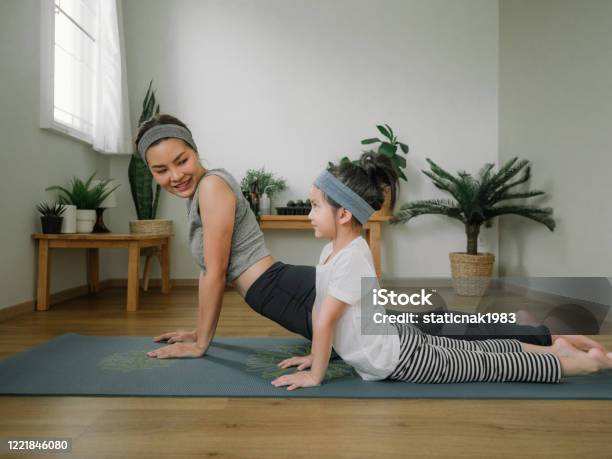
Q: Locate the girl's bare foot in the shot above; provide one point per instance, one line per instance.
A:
(584, 363)
(580, 341)
(564, 348)
(561, 348)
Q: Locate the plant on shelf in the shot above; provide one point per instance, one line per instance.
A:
(478, 201)
(145, 192)
(388, 147)
(265, 184)
(81, 195)
(85, 198)
(51, 217)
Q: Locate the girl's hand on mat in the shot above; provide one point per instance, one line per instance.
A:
(581, 342)
(179, 336)
(297, 379)
(178, 350)
(302, 362)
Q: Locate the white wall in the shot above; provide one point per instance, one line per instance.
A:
(556, 110)
(293, 84)
(32, 159)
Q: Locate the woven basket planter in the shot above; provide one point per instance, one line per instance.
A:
(471, 273)
(157, 226)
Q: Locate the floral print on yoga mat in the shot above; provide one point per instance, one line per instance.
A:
(132, 360)
(265, 362)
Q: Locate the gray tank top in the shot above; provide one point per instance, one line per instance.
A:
(248, 244)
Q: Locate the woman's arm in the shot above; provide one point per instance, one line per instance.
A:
(217, 209)
(217, 204)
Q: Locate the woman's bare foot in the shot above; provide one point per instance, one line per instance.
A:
(527, 318)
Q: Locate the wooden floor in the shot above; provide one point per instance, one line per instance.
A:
(122, 427)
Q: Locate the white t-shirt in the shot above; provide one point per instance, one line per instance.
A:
(374, 357)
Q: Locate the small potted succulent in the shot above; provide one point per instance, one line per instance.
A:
(51, 217)
(86, 199)
(477, 201)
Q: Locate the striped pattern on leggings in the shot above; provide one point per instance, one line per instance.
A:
(434, 359)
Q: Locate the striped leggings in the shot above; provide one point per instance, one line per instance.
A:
(434, 359)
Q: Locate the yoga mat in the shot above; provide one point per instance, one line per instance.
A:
(74, 364)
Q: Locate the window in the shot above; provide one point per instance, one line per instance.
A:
(67, 58)
(74, 51)
(83, 82)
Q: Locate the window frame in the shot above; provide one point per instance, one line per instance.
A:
(47, 76)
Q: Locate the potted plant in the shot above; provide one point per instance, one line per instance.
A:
(85, 199)
(266, 184)
(477, 201)
(145, 192)
(389, 147)
(51, 217)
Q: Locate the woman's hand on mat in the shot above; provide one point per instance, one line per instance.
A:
(302, 362)
(178, 350)
(179, 336)
(297, 379)
(581, 342)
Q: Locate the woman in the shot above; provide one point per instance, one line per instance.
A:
(228, 245)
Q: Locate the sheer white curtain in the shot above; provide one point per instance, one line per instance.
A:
(111, 120)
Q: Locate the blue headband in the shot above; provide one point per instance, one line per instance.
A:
(344, 196)
(163, 131)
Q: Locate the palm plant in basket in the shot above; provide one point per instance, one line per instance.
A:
(477, 201)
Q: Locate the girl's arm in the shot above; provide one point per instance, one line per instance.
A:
(323, 334)
(217, 204)
(323, 326)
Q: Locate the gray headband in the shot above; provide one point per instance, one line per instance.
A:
(163, 131)
(344, 196)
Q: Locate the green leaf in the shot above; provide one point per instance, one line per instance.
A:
(372, 140)
(399, 161)
(387, 149)
(384, 131)
(390, 131)
(404, 147)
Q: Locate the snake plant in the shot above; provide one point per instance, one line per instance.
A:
(145, 192)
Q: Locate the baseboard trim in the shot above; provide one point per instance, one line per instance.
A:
(54, 298)
(9, 312)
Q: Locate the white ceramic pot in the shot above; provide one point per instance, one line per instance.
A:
(86, 219)
(69, 224)
(264, 204)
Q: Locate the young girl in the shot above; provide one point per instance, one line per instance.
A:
(343, 199)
